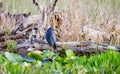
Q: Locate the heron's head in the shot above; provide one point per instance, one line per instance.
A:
(50, 29)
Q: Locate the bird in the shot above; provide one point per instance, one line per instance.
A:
(51, 37)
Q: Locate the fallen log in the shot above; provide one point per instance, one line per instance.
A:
(13, 37)
(77, 47)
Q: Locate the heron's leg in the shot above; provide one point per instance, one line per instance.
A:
(51, 49)
(55, 51)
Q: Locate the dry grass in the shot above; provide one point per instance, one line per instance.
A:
(101, 15)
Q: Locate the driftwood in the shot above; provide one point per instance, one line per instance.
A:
(14, 37)
(77, 47)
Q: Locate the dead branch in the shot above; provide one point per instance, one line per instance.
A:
(18, 27)
(25, 16)
(53, 7)
(2, 34)
(13, 37)
(38, 5)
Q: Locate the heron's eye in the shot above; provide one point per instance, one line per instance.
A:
(34, 36)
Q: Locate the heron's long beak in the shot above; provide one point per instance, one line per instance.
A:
(56, 30)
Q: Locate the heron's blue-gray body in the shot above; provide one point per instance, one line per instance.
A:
(51, 37)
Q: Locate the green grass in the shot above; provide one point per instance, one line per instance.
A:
(11, 45)
(108, 63)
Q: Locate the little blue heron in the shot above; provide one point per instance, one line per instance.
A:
(51, 37)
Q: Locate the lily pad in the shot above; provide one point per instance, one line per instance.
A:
(69, 53)
(13, 57)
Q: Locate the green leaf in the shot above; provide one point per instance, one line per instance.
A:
(47, 54)
(35, 55)
(13, 57)
(69, 53)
